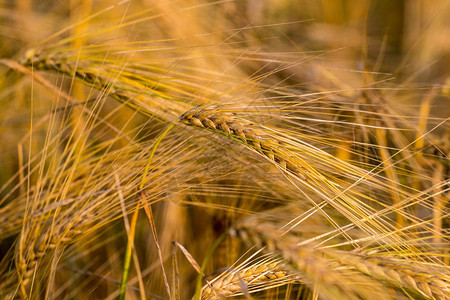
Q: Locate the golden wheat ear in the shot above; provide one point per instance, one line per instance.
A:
(230, 125)
(255, 274)
(329, 270)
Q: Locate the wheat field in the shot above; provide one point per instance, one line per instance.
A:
(230, 149)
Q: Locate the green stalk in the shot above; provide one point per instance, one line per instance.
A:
(147, 166)
(126, 263)
(208, 256)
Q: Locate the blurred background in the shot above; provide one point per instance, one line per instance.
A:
(406, 35)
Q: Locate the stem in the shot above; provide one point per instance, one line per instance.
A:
(152, 153)
(208, 256)
(126, 263)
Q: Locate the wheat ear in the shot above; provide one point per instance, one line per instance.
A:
(111, 81)
(311, 264)
(314, 263)
(431, 281)
(32, 251)
(252, 278)
(244, 131)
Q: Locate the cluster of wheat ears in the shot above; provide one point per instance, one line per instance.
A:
(161, 151)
